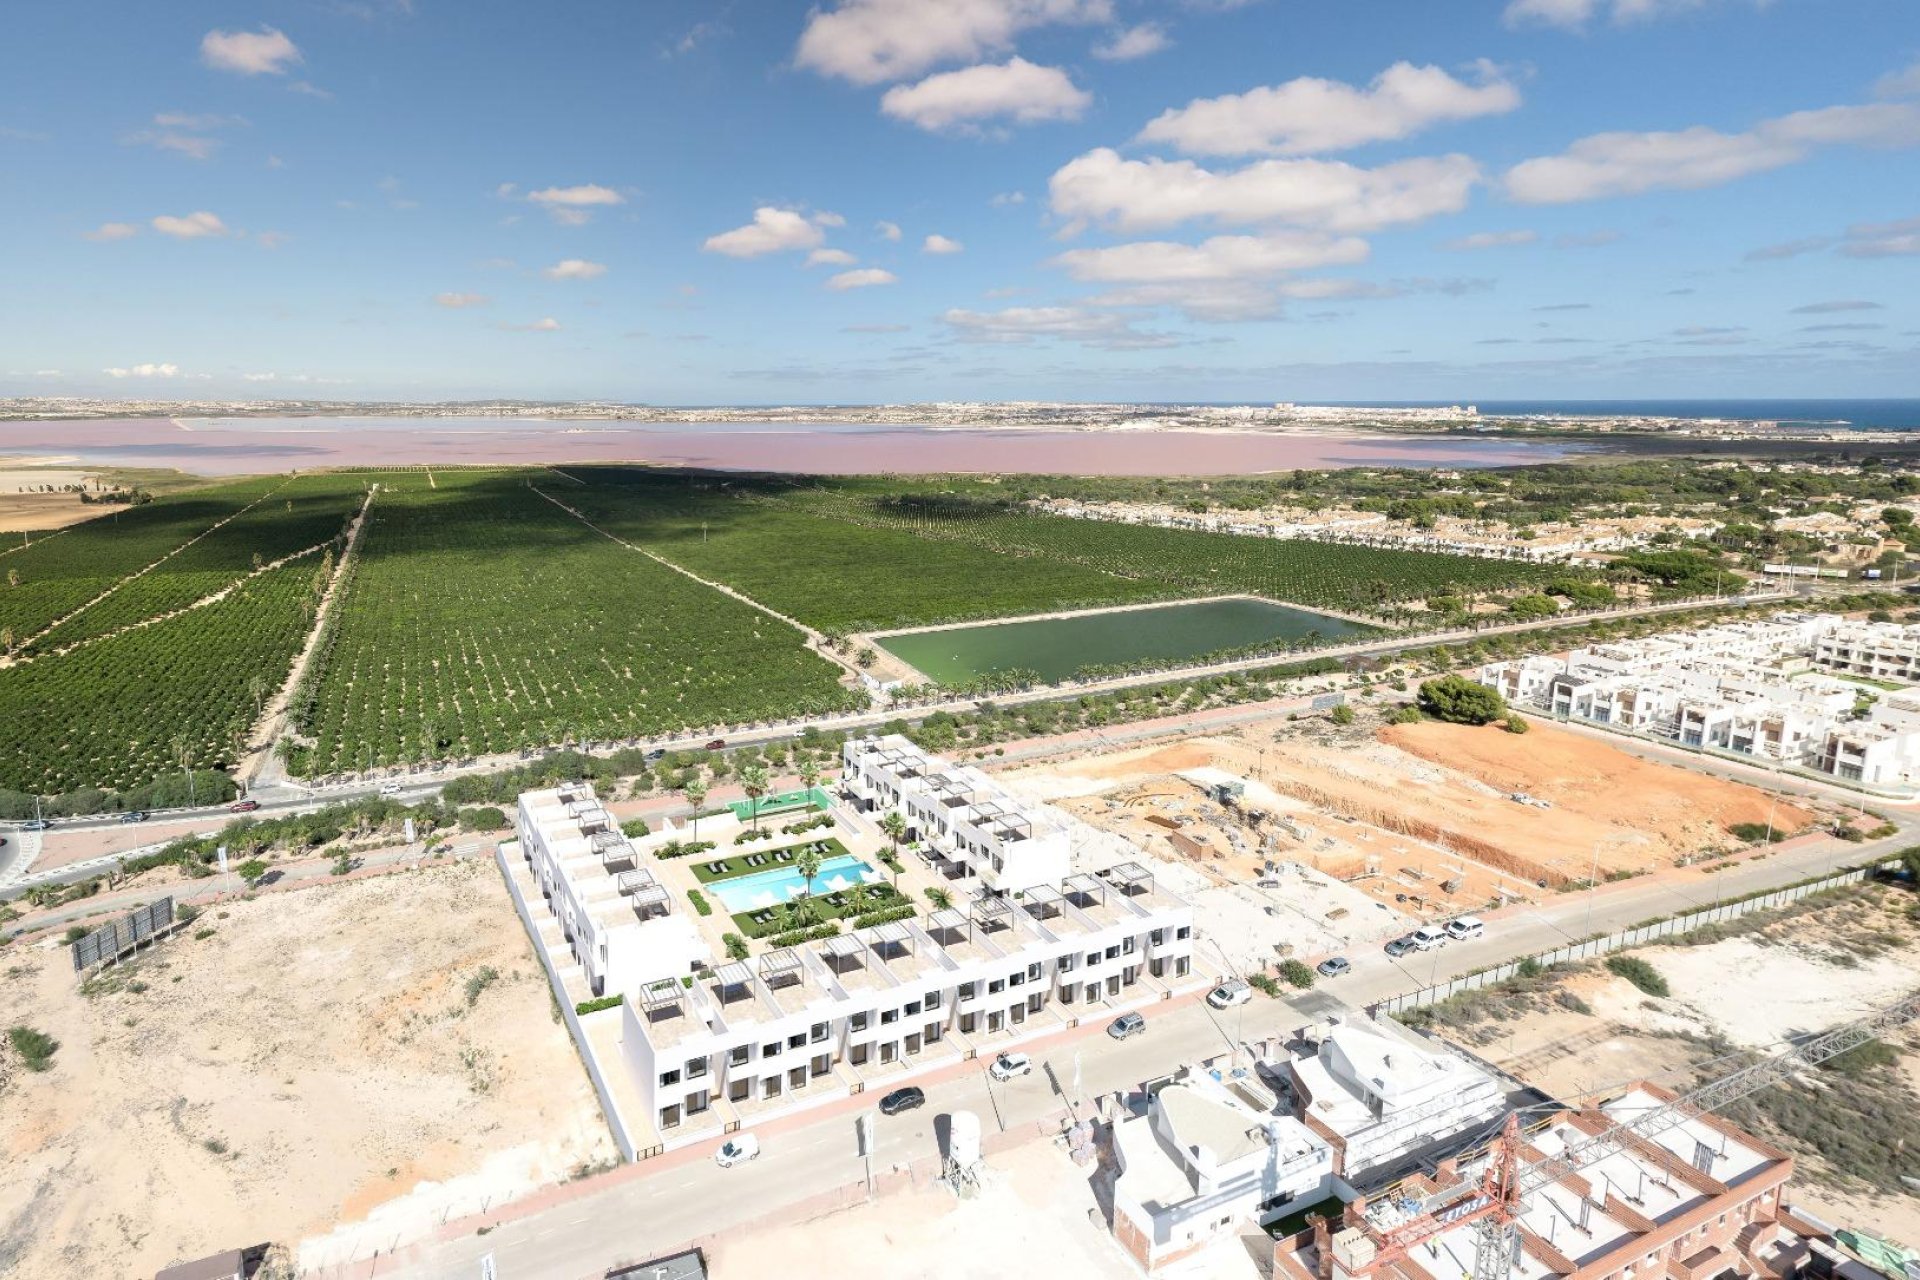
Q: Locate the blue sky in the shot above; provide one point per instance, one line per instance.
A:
(710, 202)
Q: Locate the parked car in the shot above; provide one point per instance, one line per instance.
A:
(718, 744)
(389, 788)
(1332, 966)
(1229, 993)
(738, 1149)
(134, 815)
(658, 753)
(1008, 1065)
(1401, 946)
(903, 1100)
(1466, 928)
(243, 806)
(34, 824)
(1427, 937)
(1127, 1024)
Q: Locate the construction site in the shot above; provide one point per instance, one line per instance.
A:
(1426, 820)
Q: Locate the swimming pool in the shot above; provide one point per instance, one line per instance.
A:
(783, 884)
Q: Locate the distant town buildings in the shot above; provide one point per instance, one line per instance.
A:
(1812, 691)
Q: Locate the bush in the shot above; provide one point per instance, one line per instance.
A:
(1640, 974)
(1458, 700)
(794, 937)
(479, 982)
(1341, 714)
(1515, 724)
(36, 1048)
(253, 871)
(1296, 974)
(1264, 982)
(1533, 607)
(736, 945)
(1756, 832)
(634, 827)
(884, 916)
(586, 1007)
(699, 901)
(483, 818)
(1406, 714)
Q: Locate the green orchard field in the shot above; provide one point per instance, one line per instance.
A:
(486, 611)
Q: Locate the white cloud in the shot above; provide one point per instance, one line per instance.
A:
(1016, 90)
(194, 226)
(825, 218)
(1838, 305)
(113, 231)
(146, 371)
(939, 244)
(575, 269)
(546, 324)
(270, 239)
(1007, 198)
(459, 301)
(887, 230)
(569, 206)
(862, 278)
(1133, 195)
(1899, 84)
(1882, 239)
(259, 377)
(250, 53)
(183, 133)
(1573, 15)
(1618, 164)
(1134, 42)
(771, 231)
(1216, 258)
(1022, 325)
(831, 258)
(874, 41)
(1309, 115)
(1491, 240)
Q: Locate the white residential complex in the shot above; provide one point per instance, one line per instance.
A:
(1803, 689)
(1027, 948)
(618, 920)
(972, 825)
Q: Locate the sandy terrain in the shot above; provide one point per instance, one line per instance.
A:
(315, 1055)
(22, 510)
(1379, 810)
(1035, 1206)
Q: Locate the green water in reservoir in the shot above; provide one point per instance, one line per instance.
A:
(1058, 647)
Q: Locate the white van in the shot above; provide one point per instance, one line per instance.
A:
(1428, 936)
(1465, 929)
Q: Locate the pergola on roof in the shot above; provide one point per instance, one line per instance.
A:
(780, 964)
(735, 973)
(662, 993)
(992, 910)
(1042, 899)
(652, 895)
(1083, 883)
(890, 931)
(947, 918)
(631, 882)
(843, 945)
(1130, 875)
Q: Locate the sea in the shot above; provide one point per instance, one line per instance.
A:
(1864, 415)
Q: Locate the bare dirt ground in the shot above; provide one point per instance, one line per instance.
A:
(1032, 1215)
(286, 1064)
(1777, 976)
(1420, 818)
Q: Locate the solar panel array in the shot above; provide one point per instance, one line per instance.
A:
(113, 940)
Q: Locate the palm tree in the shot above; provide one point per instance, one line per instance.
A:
(754, 781)
(808, 865)
(696, 793)
(895, 828)
(809, 775)
(859, 900)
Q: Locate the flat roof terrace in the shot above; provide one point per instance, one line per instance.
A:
(669, 1014)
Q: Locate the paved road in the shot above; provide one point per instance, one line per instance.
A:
(650, 1208)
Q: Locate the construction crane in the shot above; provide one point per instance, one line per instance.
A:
(1496, 1202)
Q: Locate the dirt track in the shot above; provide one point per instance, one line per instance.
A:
(316, 1055)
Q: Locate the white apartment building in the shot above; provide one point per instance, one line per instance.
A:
(1756, 687)
(617, 919)
(969, 824)
(1379, 1097)
(1208, 1156)
(822, 1017)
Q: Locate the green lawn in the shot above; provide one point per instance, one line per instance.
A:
(736, 864)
